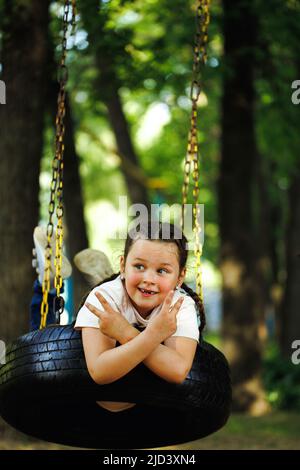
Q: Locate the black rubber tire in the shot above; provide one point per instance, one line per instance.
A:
(47, 392)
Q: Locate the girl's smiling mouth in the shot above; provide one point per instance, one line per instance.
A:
(146, 292)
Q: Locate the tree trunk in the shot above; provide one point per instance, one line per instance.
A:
(137, 191)
(290, 318)
(269, 214)
(243, 300)
(107, 90)
(24, 54)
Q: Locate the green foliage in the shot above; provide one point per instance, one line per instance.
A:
(150, 47)
(282, 380)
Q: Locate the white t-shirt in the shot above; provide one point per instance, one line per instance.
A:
(115, 293)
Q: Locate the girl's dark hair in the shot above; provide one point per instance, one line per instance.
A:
(166, 233)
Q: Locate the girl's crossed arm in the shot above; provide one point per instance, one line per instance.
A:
(172, 360)
(106, 363)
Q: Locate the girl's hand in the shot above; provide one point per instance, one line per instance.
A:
(112, 323)
(165, 323)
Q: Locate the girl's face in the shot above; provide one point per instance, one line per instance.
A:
(151, 271)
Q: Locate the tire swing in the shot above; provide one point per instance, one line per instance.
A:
(45, 388)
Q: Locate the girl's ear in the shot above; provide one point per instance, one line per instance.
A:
(181, 277)
(122, 264)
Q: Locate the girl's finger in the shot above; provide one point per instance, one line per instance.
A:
(93, 309)
(103, 301)
(101, 298)
(177, 305)
(169, 296)
(167, 301)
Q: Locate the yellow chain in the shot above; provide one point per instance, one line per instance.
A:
(192, 156)
(56, 187)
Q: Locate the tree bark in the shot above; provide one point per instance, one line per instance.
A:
(136, 190)
(243, 299)
(107, 90)
(290, 318)
(269, 215)
(24, 54)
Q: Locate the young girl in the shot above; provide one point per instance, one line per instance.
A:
(148, 292)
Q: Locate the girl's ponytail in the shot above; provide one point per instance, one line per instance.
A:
(199, 304)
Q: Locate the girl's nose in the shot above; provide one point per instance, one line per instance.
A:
(150, 276)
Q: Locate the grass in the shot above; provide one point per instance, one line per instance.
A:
(278, 430)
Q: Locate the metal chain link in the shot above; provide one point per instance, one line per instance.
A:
(191, 164)
(56, 186)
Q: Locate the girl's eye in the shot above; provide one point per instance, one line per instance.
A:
(162, 269)
(138, 265)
